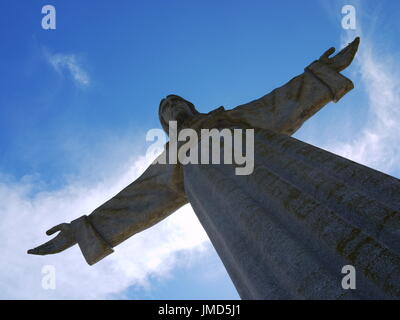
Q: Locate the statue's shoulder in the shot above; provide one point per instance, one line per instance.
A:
(203, 120)
(217, 110)
(209, 115)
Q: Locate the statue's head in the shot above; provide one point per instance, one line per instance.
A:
(175, 108)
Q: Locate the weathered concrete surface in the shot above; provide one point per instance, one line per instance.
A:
(286, 231)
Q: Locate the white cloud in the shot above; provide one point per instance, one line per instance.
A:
(376, 72)
(69, 63)
(25, 218)
(378, 143)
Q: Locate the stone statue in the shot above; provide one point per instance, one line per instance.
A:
(286, 230)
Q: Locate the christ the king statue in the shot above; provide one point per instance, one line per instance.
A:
(286, 230)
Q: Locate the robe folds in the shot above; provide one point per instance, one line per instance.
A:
(286, 230)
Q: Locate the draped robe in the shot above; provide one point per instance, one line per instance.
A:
(286, 230)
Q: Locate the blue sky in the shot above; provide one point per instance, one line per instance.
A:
(76, 103)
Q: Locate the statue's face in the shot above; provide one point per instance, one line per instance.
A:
(174, 108)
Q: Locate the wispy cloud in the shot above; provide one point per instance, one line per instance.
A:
(378, 143)
(26, 217)
(376, 74)
(70, 64)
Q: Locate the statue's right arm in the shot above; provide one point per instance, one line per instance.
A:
(157, 193)
(286, 108)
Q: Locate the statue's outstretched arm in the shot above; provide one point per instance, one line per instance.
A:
(286, 108)
(157, 193)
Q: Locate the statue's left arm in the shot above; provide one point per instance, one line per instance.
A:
(286, 108)
(156, 194)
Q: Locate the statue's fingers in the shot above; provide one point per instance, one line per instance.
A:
(46, 248)
(354, 44)
(55, 229)
(327, 53)
(345, 57)
(349, 51)
(33, 251)
(353, 47)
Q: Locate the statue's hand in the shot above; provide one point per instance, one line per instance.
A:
(343, 59)
(62, 241)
